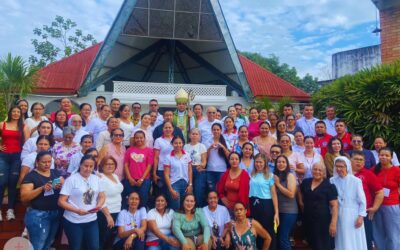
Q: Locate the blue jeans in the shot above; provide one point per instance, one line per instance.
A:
(180, 187)
(143, 191)
(286, 224)
(10, 166)
(212, 179)
(162, 245)
(199, 186)
(42, 227)
(79, 234)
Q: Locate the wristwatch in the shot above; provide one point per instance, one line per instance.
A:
(190, 184)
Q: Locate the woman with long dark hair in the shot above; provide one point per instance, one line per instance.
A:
(13, 137)
(335, 149)
(264, 141)
(85, 110)
(41, 188)
(44, 128)
(234, 184)
(386, 221)
(60, 122)
(190, 226)
(159, 223)
(24, 106)
(123, 114)
(178, 173)
(217, 153)
(81, 197)
(286, 186)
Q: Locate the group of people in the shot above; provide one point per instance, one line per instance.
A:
(116, 178)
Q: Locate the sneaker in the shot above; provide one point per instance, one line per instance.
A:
(10, 214)
(1, 218)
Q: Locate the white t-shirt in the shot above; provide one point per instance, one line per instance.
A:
(82, 193)
(32, 123)
(179, 167)
(29, 147)
(95, 126)
(309, 162)
(57, 132)
(164, 223)
(128, 128)
(195, 152)
(74, 162)
(218, 218)
(131, 221)
(102, 139)
(78, 135)
(165, 147)
(29, 161)
(113, 192)
(215, 162)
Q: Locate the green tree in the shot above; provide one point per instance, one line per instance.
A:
(284, 71)
(58, 40)
(17, 79)
(369, 101)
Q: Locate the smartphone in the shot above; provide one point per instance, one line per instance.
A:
(55, 182)
(93, 210)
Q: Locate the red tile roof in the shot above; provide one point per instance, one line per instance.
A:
(67, 75)
(264, 83)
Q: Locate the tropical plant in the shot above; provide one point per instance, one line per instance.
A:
(17, 79)
(263, 103)
(59, 39)
(369, 101)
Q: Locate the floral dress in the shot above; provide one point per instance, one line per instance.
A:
(246, 241)
(64, 154)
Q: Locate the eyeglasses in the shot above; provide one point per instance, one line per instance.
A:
(211, 112)
(357, 141)
(77, 121)
(118, 135)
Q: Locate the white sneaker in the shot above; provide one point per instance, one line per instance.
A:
(10, 214)
(1, 218)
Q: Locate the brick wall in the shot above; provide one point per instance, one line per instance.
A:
(390, 35)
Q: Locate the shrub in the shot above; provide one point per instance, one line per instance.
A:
(369, 101)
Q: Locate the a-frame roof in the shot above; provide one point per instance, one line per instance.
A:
(66, 77)
(150, 39)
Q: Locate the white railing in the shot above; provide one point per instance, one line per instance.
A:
(165, 92)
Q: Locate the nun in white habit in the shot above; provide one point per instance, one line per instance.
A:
(350, 232)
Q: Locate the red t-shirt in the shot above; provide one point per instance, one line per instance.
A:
(138, 159)
(346, 142)
(322, 143)
(370, 183)
(390, 180)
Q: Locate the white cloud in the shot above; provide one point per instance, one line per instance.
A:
(301, 33)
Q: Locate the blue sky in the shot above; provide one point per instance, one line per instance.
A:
(303, 34)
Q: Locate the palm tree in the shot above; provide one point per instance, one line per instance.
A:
(17, 78)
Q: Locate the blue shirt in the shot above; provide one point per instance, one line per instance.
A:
(261, 187)
(307, 126)
(248, 169)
